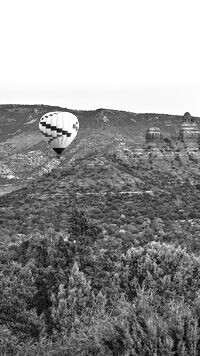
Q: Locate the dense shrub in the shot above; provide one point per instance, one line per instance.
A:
(166, 271)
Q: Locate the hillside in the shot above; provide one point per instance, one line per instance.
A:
(123, 191)
(25, 155)
(99, 252)
(109, 172)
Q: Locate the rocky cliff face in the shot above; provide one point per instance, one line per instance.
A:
(154, 135)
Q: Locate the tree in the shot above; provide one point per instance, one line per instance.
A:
(16, 293)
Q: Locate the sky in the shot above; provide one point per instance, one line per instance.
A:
(133, 55)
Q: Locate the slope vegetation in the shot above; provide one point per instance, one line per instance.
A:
(99, 252)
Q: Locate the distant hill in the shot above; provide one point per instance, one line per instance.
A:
(25, 155)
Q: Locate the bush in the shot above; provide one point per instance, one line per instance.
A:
(167, 271)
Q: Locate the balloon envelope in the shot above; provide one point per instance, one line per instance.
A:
(60, 129)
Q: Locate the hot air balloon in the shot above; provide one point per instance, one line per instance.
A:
(60, 129)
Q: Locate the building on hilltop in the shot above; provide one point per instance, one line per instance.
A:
(154, 135)
(189, 131)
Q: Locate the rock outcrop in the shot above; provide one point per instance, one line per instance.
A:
(154, 135)
(189, 131)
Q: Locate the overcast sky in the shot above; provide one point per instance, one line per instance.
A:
(134, 55)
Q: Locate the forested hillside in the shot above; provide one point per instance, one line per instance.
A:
(100, 255)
